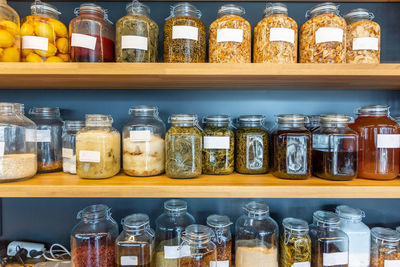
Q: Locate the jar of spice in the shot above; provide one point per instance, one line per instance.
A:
(222, 238)
(9, 34)
(71, 128)
(385, 247)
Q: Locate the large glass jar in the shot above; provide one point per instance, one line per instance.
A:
(335, 149)
(379, 143)
(10, 39)
(143, 142)
(329, 245)
(93, 238)
(98, 148)
(222, 238)
(71, 128)
(251, 151)
(275, 36)
(183, 147)
(137, 35)
(92, 35)
(256, 237)
(385, 247)
(48, 138)
(230, 36)
(184, 35)
(218, 145)
(44, 37)
(323, 36)
(291, 147)
(169, 228)
(363, 39)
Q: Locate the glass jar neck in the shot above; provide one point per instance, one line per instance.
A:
(95, 214)
(275, 9)
(291, 125)
(354, 220)
(334, 125)
(175, 213)
(137, 11)
(183, 124)
(185, 10)
(98, 124)
(250, 124)
(258, 216)
(217, 124)
(8, 109)
(324, 8)
(45, 112)
(326, 225)
(230, 9)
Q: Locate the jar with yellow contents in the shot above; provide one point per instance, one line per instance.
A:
(10, 44)
(44, 37)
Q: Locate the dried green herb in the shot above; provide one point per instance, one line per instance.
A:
(294, 249)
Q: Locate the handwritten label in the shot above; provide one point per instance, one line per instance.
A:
(83, 40)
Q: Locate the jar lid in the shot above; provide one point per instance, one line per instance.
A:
(185, 9)
(99, 118)
(251, 118)
(176, 118)
(349, 213)
(335, 118)
(273, 8)
(217, 118)
(138, 7)
(143, 109)
(327, 7)
(373, 110)
(291, 118)
(198, 232)
(359, 13)
(231, 9)
(175, 205)
(40, 7)
(45, 111)
(20, 107)
(90, 7)
(326, 217)
(385, 234)
(218, 221)
(294, 224)
(10, 107)
(135, 221)
(93, 212)
(258, 208)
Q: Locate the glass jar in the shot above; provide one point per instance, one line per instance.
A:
(323, 36)
(220, 224)
(71, 128)
(335, 149)
(48, 138)
(295, 243)
(275, 36)
(251, 152)
(98, 148)
(329, 245)
(169, 228)
(218, 145)
(378, 156)
(385, 247)
(230, 36)
(184, 35)
(363, 39)
(291, 146)
(256, 237)
(93, 238)
(44, 37)
(183, 147)
(313, 122)
(358, 233)
(143, 142)
(137, 35)
(135, 245)
(92, 35)
(10, 37)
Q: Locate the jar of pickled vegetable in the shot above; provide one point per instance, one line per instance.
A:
(230, 36)
(136, 35)
(222, 238)
(44, 37)
(385, 247)
(275, 36)
(10, 39)
(184, 35)
(71, 128)
(92, 35)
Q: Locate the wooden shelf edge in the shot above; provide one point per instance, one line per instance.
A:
(341, 1)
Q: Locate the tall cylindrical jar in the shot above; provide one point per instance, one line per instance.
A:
(71, 128)
(10, 39)
(385, 247)
(221, 224)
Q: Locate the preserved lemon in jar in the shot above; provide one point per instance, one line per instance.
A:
(10, 42)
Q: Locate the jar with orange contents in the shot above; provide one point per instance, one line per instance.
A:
(10, 44)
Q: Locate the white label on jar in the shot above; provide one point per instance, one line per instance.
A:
(366, 43)
(358, 259)
(216, 142)
(67, 153)
(388, 141)
(129, 260)
(134, 42)
(301, 264)
(30, 135)
(2, 145)
(219, 263)
(83, 40)
(229, 35)
(43, 136)
(392, 263)
(328, 34)
(176, 252)
(185, 32)
(140, 136)
(332, 259)
(281, 34)
(35, 42)
(89, 156)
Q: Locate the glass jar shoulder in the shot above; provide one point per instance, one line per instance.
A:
(181, 130)
(57, 122)
(381, 123)
(185, 21)
(324, 20)
(277, 21)
(335, 131)
(291, 131)
(135, 23)
(245, 224)
(166, 222)
(126, 238)
(362, 27)
(231, 21)
(89, 25)
(217, 131)
(101, 227)
(8, 13)
(332, 234)
(241, 131)
(92, 135)
(156, 126)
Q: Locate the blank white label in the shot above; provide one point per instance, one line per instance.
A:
(140, 136)
(332, 259)
(67, 153)
(83, 40)
(388, 141)
(2, 145)
(281, 34)
(176, 252)
(134, 42)
(43, 136)
(30, 135)
(392, 263)
(89, 156)
(129, 260)
(301, 264)
(328, 34)
(219, 263)
(185, 32)
(35, 42)
(216, 142)
(366, 43)
(229, 35)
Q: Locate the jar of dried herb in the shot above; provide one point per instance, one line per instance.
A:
(385, 247)
(220, 224)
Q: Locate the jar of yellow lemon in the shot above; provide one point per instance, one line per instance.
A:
(10, 44)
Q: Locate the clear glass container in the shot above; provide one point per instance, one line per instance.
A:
(93, 238)
(92, 35)
(385, 247)
(143, 142)
(313, 122)
(256, 237)
(10, 44)
(98, 148)
(71, 128)
(222, 238)
(48, 138)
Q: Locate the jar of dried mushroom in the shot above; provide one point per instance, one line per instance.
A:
(275, 36)
(385, 247)
(71, 128)
(230, 36)
(98, 148)
(184, 35)
(323, 36)
(218, 145)
(220, 224)
(143, 142)
(136, 35)
(183, 147)
(363, 39)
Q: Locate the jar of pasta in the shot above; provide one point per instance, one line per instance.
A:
(275, 36)
(184, 35)
(323, 36)
(10, 42)
(230, 36)
(385, 247)
(363, 39)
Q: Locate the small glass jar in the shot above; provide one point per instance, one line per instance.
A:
(220, 224)
(183, 147)
(71, 128)
(218, 145)
(385, 247)
(275, 36)
(313, 122)
(48, 138)
(256, 237)
(291, 146)
(184, 35)
(137, 35)
(251, 151)
(98, 148)
(230, 36)
(92, 35)
(135, 245)
(10, 37)
(335, 149)
(93, 238)
(143, 142)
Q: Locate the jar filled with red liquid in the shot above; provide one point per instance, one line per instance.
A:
(379, 143)
(92, 35)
